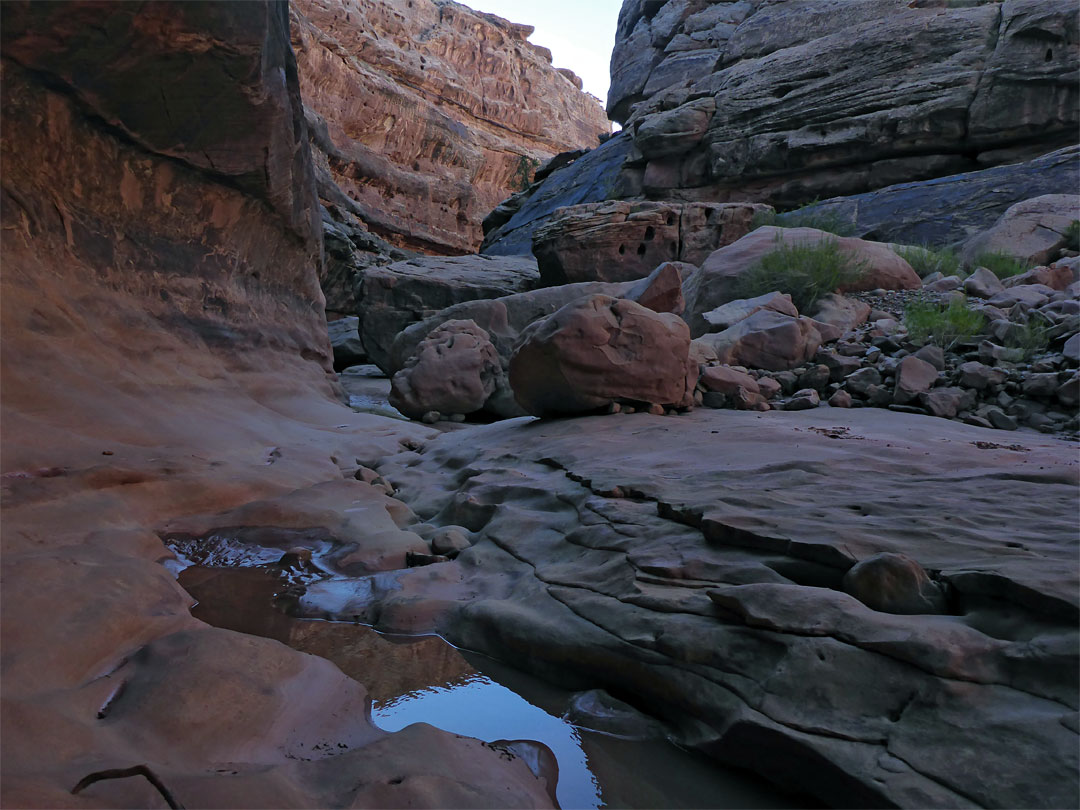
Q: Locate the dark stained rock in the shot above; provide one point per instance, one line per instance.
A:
(345, 342)
(953, 208)
(593, 178)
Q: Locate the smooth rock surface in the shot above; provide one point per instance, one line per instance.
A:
(1032, 231)
(722, 576)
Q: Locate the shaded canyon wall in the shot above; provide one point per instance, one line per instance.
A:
(425, 114)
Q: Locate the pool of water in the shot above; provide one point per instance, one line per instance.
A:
(425, 679)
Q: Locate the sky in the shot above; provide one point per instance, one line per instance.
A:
(579, 33)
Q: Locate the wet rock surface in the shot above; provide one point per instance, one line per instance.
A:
(695, 586)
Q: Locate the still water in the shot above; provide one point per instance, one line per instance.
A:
(425, 679)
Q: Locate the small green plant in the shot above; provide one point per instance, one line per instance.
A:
(1000, 263)
(523, 176)
(1033, 338)
(1072, 235)
(809, 216)
(943, 326)
(926, 261)
(804, 270)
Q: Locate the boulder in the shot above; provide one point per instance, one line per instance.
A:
(803, 400)
(726, 380)
(913, 377)
(840, 399)
(979, 376)
(454, 371)
(983, 284)
(502, 318)
(729, 314)
(622, 241)
(767, 340)
(398, 295)
(1031, 295)
(859, 382)
(346, 343)
(947, 402)
(661, 290)
(717, 281)
(842, 312)
(1057, 276)
(1032, 230)
(599, 350)
(894, 583)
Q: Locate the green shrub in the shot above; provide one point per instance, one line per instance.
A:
(1000, 263)
(926, 261)
(1033, 338)
(1072, 235)
(942, 326)
(804, 270)
(806, 217)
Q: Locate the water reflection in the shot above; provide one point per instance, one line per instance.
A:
(427, 680)
(477, 706)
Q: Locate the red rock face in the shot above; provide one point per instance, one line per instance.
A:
(433, 113)
(165, 354)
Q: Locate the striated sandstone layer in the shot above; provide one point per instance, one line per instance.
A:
(426, 114)
(791, 101)
(165, 355)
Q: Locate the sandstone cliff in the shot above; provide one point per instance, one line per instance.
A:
(165, 354)
(786, 102)
(426, 114)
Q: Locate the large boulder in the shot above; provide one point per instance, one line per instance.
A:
(1032, 230)
(397, 295)
(767, 339)
(621, 241)
(454, 371)
(601, 350)
(718, 280)
(727, 315)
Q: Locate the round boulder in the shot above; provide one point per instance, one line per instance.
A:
(894, 583)
(599, 350)
(454, 371)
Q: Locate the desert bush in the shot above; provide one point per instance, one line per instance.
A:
(926, 261)
(804, 270)
(1033, 338)
(806, 217)
(1072, 235)
(1000, 263)
(944, 326)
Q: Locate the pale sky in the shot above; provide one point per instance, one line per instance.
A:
(579, 33)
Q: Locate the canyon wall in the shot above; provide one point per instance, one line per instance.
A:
(425, 114)
(786, 102)
(164, 354)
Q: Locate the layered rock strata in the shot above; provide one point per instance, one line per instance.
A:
(426, 113)
(792, 101)
(165, 355)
